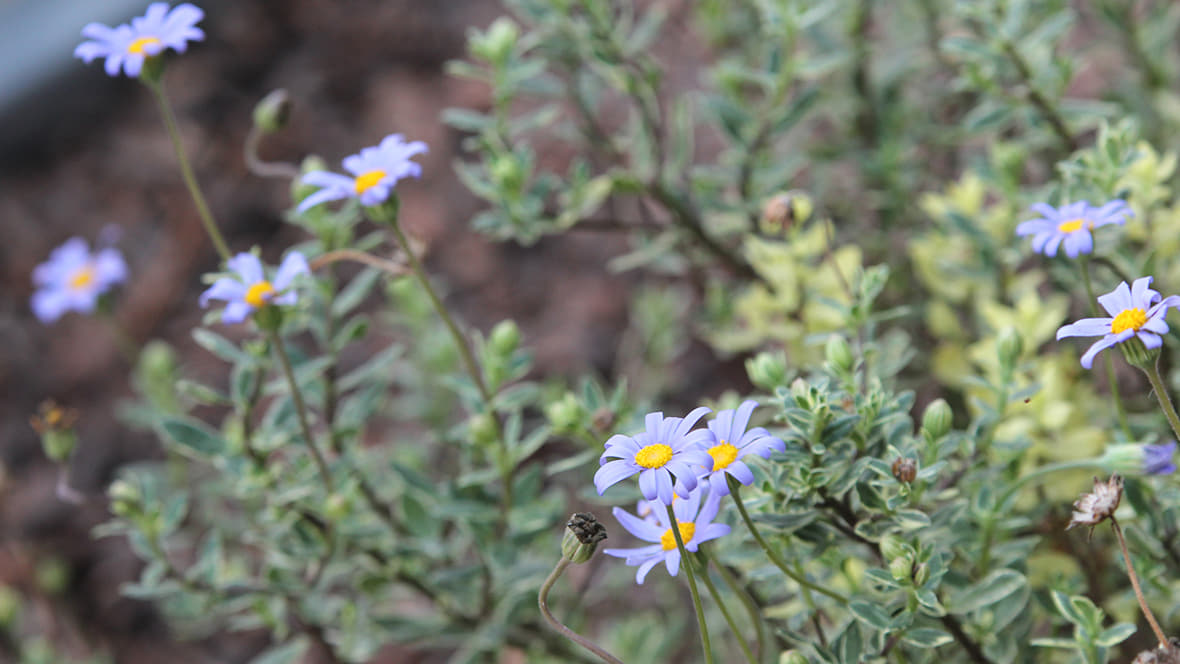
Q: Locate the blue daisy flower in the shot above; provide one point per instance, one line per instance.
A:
(126, 47)
(733, 442)
(73, 279)
(666, 456)
(694, 517)
(1136, 311)
(251, 290)
(1069, 226)
(374, 170)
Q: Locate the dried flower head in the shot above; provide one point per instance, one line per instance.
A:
(1094, 507)
(905, 469)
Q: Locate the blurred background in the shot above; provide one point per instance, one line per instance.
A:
(80, 152)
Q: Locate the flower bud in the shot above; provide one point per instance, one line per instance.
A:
(839, 354)
(497, 43)
(937, 419)
(483, 430)
(901, 569)
(767, 370)
(921, 574)
(905, 470)
(124, 496)
(792, 657)
(565, 415)
(783, 211)
(582, 534)
(505, 337)
(893, 547)
(272, 113)
(507, 173)
(336, 507)
(1009, 346)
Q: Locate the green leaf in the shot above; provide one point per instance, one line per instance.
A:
(193, 435)
(287, 653)
(987, 591)
(220, 346)
(355, 292)
(1115, 635)
(927, 637)
(872, 614)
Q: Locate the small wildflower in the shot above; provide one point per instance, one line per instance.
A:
(1092, 508)
(1136, 312)
(733, 442)
(127, 47)
(666, 449)
(251, 290)
(1159, 459)
(694, 517)
(73, 279)
(374, 172)
(1069, 226)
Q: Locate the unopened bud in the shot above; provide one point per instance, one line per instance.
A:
(497, 43)
(838, 353)
(893, 547)
(792, 657)
(124, 497)
(507, 172)
(901, 569)
(483, 429)
(336, 507)
(905, 470)
(1009, 347)
(272, 113)
(767, 370)
(505, 337)
(582, 534)
(565, 414)
(937, 419)
(921, 574)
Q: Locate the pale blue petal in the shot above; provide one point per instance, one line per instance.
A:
(247, 267)
(612, 473)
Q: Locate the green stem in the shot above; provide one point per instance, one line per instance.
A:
(686, 565)
(128, 348)
(735, 491)
(744, 597)
(543, 602)
(1161, 395)
(301, 409)
(504, 463)
(1024, 480)
(186, 169)
(1111, 378)
(733, 627)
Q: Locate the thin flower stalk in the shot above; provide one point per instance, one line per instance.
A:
(735, 491)
(733, 626)
(1161, 395)
(706, 646)
(1155, 626)
(186, 169)
(543, 603)
(301, 409)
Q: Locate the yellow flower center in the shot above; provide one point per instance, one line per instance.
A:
(1128, 319)
(366, 181)
(258, 294)
(82, 278)
(1073, 225)
(138, 45)
(654, 456)
(723, 454)
(668, 539)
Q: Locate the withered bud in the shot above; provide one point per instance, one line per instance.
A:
(782, 211)
(1095, 507)
(1160, 655)
(602, 419)
(905, 469)
(582, 534)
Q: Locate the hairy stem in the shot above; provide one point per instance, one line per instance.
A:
(733, 627)
(1155, 626)
(301, 409)
(1161, 395)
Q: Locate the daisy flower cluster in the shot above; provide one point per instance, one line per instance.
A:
(685, 468)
